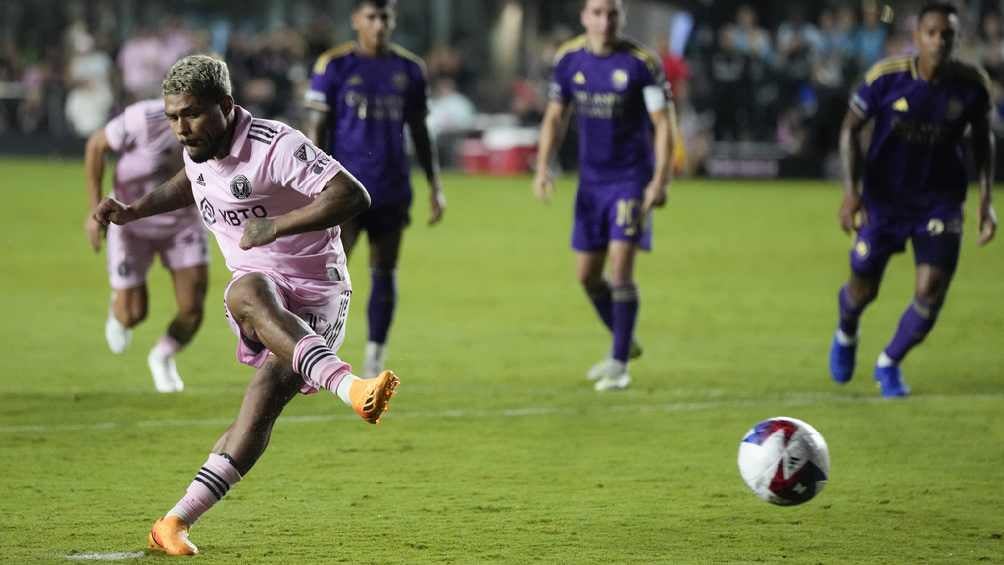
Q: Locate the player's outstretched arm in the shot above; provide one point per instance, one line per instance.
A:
(94, 173)
(174, 194)
(342, 198)
(656, 192)
(551, 131)
(425, 152)
(852, 161)
(983, 155)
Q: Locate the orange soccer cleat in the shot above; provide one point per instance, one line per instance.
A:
(170, 535)
(370, 397)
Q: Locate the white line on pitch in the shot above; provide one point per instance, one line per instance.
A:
(110, 556)
(802, 399)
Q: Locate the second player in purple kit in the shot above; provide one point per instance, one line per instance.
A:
(625, 122)
(361, 97)
(911, 185)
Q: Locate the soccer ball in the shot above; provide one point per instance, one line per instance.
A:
(784, 461)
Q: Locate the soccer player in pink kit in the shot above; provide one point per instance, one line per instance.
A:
(149, 154)
(274, 202)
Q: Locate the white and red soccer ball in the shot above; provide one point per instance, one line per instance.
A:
(784, 461)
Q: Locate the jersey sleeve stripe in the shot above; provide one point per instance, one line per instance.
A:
(335, 52)
(569, 46)
(888, 67)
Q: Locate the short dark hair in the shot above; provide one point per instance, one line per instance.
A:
(378, 4)
(944, 8)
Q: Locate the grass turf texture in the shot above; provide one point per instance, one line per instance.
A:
(497, 449)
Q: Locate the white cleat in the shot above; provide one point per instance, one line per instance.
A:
(179, 385)
(374, 359)
(619, 382)
(165, 373)
(610, 375)
(117, 335)
(603, 368)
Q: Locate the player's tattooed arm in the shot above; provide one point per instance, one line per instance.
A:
(315, 127)
(342, 198)
(174, 194)
(94, 171)
(983, 155)
(552, 131)
(852, 160)
(656, 191)
(425, 152)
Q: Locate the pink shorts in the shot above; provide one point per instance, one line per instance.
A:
(323, 304)
(130, 255)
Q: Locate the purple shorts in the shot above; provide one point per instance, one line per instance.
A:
(130, 255)
(323, 304)
(610, 213)
(936, 237)
(385, 218)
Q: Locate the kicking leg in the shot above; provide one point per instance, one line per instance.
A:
(255, 304)
(384, 251)
(233, 456)
(190, 295)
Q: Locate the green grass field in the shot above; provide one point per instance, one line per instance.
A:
(497, 449)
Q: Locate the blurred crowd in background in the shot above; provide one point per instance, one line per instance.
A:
(759, 77)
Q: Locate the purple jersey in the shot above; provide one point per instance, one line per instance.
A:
(369, 100)
(271, 169)
(615, 131)
(149, 155)
(916, 160)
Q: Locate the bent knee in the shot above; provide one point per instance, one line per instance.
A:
(248, 294)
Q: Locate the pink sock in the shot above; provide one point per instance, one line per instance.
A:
(167, 346)
(318, 365)
(211, 483)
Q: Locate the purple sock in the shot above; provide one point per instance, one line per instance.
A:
(625, 312)
(914, 326)
(850, 314)
(380, 310)
(599, 295)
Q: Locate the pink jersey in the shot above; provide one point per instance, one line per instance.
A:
(272, 169)
(149, 154)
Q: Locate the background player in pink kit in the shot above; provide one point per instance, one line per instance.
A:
(625, 122)
(149, 154)
(361, 97)
(274, 202)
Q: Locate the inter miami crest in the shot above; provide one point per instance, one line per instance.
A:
(240, 186)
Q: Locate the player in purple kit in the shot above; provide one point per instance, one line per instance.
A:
(149, 154)
(911, 184)
(274, 202)
(625, 120)
(361, 97)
